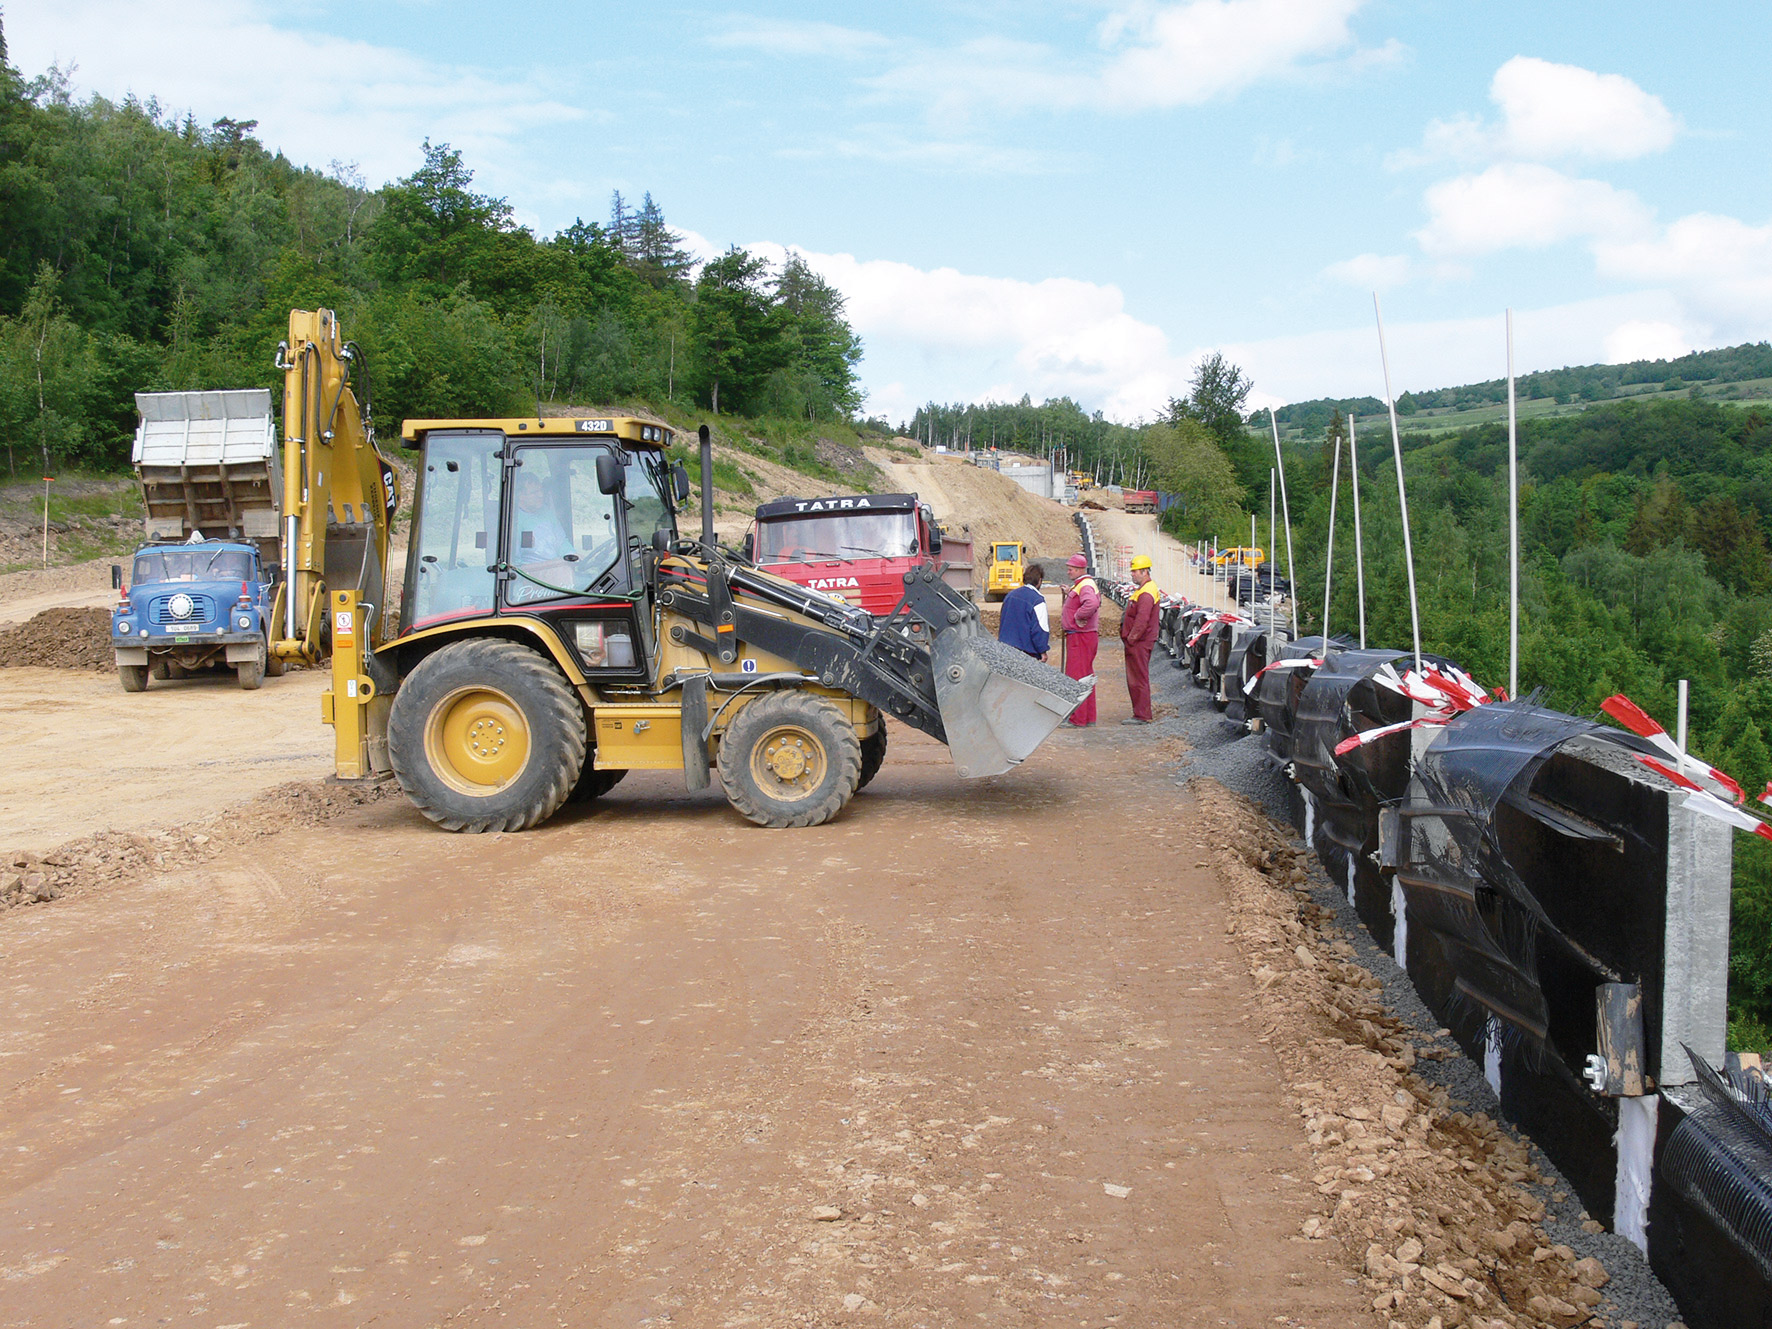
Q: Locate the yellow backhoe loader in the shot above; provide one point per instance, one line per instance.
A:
(555, 631)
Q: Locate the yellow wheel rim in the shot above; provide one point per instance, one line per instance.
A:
(477, 741)
(788, 762)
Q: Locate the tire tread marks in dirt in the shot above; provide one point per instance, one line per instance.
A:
(557, 737)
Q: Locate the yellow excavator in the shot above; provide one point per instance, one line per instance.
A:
(555, 631)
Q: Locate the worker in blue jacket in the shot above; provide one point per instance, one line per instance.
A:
(1025, 624)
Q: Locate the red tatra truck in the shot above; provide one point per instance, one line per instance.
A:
(856, 546)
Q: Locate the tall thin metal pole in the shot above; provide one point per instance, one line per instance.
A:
(1353, 478)
(1286, 514)
(1402, 492)
(1329, 555)
(1271, 610)
(1513, 525)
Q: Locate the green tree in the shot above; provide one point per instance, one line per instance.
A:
(736, 330)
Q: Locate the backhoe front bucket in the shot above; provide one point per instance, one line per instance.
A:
(997, 704)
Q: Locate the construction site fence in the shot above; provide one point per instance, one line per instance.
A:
(1559, 905)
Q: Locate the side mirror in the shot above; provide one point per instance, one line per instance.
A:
(116, 576)
(661, 540)
(680, 482)
(935, 539)
(750, 545)
(612, 476)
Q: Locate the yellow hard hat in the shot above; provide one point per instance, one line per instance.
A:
(1142, 561)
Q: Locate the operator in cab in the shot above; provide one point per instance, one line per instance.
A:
(539, 535)
(1138, 633)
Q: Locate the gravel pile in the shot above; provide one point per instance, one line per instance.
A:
(1224, 751)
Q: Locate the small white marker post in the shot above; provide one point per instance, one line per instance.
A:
(1680, 735)
(47, 481)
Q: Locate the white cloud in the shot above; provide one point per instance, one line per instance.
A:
(1720, 265)
(802, 38)
(966, 337)
(1645, 339)
(1525, 206)
(317, 97)
(1550, 112)
(1435, 353)
(1372, 272)
(1152, 57)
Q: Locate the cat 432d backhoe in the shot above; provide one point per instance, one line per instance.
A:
(555, 633)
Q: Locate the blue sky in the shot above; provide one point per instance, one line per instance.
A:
(1076, 197)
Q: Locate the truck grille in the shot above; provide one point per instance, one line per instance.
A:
(202, 610)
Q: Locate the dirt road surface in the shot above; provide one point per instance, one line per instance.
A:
(86, 756)
(972, 1053)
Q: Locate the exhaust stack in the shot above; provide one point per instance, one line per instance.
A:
(707, 490)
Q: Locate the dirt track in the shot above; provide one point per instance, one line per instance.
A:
(939, 1060)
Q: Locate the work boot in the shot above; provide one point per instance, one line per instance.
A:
(1133, 719)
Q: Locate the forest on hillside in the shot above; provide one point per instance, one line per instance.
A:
(142, 252)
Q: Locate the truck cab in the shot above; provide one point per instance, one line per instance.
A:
(855, 547)
(193, 605)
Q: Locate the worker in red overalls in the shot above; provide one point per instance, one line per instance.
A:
(1138, 632)
(1081, 620)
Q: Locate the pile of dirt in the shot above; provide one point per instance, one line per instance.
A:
(60, 639)
(98, 862)
(1433, 1206)
(991, 507)
(844, 458)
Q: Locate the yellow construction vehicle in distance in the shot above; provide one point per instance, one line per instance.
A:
(1006, 568)
(1245, 557)
(555, 631)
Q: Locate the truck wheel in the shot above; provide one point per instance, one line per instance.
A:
(157, 668)
(251, 673)
(134, 678)
(486, 735)
(790, 759)
(593, 783)
(873, 755)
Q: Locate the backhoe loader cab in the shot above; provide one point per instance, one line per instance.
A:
(556, 632)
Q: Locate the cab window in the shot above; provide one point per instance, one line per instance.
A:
(455, 525)
(563, 534)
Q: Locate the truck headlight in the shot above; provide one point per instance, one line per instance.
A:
(246, 622)
(125, 627)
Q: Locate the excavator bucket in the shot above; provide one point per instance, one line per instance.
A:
(997, 704)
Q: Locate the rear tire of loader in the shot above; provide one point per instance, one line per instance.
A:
(486, 735)
(873, 755)
(134, 678)
(790, 759)
(593, 783)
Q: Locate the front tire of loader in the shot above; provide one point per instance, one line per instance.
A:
(486, 735)
(790, 759)
(275, 664)
(873, 756)
(134, 678)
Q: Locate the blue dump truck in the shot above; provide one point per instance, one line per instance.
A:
(206, 588)
(194, 606)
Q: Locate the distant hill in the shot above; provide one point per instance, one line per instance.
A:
(1730, 374)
